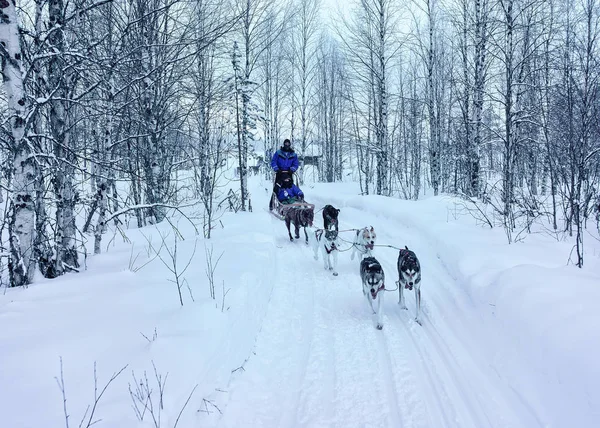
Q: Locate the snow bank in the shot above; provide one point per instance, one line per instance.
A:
(103, 314)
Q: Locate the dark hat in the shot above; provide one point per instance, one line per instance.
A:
(287, 142)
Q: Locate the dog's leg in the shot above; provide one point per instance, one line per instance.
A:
(306, 235)
(297, 230)
(418, 302)
(287, 223)
(334, 255)
(380, 310)
(316, 247)
(354, 246)
(324, 254)
(367, 294)
(401, 301)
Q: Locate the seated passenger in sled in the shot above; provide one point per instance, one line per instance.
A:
(288, 192)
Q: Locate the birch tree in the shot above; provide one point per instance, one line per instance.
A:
(210, 25)
(577, 111)
(307, 18)
(22, 223)
(515, 49)
(274, 73)
(367, 35)
(473, 30)
(60, 127)
(256, 36)
(331, 82)
(430, 49)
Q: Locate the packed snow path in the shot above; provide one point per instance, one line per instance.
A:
(320, 362)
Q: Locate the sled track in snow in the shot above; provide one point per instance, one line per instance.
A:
(442, 359)
(324, 363)
(403, 373)
(333, 357)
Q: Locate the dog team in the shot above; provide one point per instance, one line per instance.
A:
(371, 271)
(284, 162)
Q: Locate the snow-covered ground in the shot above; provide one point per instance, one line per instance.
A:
(510, 334)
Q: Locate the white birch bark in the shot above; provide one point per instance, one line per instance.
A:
(309, 10)
(66, 251)
(22, 223)
(432, 64)
(245, 132)
(482, 12)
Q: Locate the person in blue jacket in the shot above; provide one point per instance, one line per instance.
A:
(289, 193)
(285, 159)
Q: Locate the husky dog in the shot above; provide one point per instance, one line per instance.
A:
(300, 216)
(330, 216)
(373, 280)
(364, 241)
(409, 273)
(327, 240)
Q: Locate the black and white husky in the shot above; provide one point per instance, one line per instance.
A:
(364, 242)
(373, 281)
(409, 273)
(327, 241)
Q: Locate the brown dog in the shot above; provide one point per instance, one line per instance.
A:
(301, 216)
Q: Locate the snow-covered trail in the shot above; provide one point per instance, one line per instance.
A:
(455, 379)
(320, 362)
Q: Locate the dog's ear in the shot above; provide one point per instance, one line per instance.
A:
(406, 247)
(338, 210)
(371, 228)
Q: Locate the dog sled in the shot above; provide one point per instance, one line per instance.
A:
(278, 208)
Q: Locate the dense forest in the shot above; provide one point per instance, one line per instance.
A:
(115, 112)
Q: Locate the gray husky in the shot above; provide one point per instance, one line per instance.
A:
(327, 240)
(373, 280)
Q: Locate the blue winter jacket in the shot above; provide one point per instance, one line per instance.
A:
(284, 161)
(291, 192)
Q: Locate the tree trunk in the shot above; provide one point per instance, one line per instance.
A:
(22, 223)
(66, 251)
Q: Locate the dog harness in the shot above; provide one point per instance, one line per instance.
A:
(333, 247)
